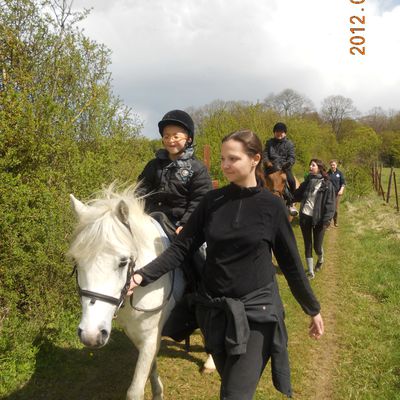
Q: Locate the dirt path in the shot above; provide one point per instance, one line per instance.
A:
(324, 355)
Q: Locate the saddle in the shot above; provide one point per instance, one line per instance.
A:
(167, 226)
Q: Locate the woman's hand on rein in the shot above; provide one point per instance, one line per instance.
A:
(316, 327)
(136, 280)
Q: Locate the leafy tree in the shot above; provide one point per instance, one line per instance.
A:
(361, 147)
(312, 141)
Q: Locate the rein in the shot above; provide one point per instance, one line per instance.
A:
(163, 304)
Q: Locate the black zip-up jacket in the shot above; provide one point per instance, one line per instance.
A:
(281, 152)
(337, 179)
(325, 201)
(174, 187)
(241, 227)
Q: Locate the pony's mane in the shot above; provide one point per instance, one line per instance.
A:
(99, 227)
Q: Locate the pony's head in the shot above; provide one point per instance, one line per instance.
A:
(276, 182)
(108, 239)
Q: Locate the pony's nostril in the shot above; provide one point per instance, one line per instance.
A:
(79, 332)
(104, 333)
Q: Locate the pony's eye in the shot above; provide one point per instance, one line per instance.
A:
(123, 262)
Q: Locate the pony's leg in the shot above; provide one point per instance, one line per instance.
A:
(156, 385)
(209, 365)
(147, 353)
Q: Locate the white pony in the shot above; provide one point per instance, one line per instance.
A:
(115, 236)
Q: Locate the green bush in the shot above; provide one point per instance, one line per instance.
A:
(358, 182)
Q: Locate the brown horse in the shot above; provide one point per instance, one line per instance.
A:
(276, 181)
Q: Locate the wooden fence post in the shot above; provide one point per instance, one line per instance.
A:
(376, 177)
(389, 185)
(379, 177)
(395, 191)
(207, 162)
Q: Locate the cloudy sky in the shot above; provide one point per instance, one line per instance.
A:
(169, 54)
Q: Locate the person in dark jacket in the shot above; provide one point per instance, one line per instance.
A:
(238, 306)
(338, 182)
(317, 197)
(280, 151)
(175, 181)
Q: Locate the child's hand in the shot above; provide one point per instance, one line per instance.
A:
(178, 229)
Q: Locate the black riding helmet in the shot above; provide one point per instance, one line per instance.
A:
(279, 127)
(180, 118)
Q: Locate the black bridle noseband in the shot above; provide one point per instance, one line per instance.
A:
(102, 297)
(118, 302)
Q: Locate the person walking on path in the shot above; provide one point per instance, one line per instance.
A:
(338, 181)
(317, 207)
(175, 181)
(280, 151)
(238, 306)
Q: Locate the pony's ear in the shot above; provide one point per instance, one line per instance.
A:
(123, 212)
(78, 207)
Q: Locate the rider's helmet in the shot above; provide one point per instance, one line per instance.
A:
(180, 118)
(279, 127)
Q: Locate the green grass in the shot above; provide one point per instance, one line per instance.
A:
(369, 317)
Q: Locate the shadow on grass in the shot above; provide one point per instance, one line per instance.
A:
(171, 349)
(83, 374)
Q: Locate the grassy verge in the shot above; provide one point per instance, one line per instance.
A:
(369, 317)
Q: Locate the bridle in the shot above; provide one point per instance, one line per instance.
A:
(116, 301)
(269, 166)
(119, 301)
(276, 191)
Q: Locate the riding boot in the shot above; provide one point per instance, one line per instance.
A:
(310, 265)
(288, 196)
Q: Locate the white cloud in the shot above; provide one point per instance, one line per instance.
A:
(174, 53)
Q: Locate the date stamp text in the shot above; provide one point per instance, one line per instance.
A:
(357, 29)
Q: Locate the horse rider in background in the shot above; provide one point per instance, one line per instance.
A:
(281, 152)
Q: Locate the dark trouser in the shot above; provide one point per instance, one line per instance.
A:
(311, 233)
(241, 374)
(291, 182)
(335, 217)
